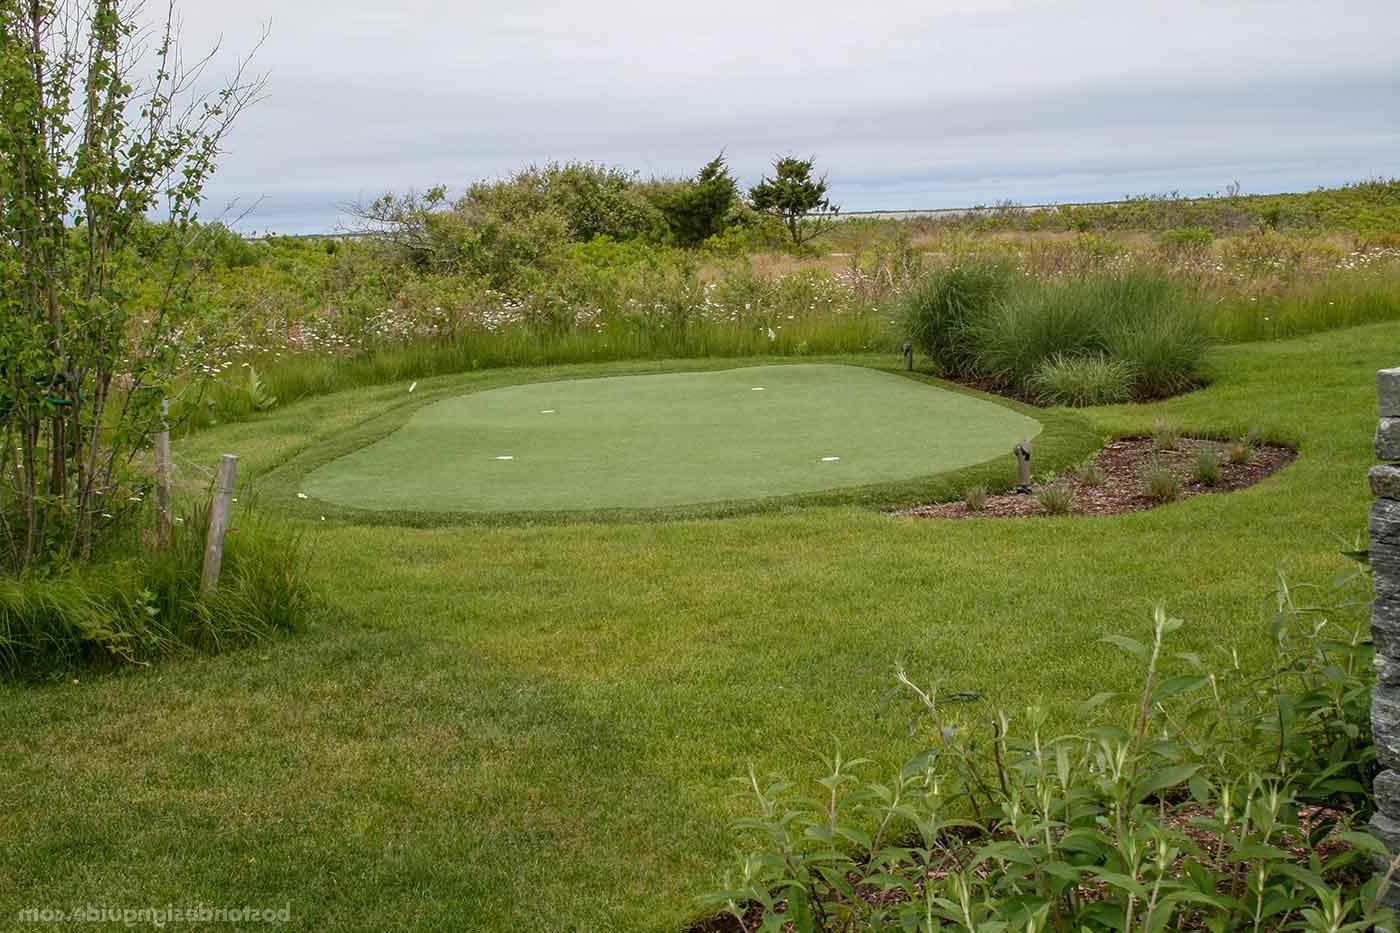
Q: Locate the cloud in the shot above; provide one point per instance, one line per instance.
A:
(905, 104)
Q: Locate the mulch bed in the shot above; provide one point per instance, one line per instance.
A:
(1123, 463)
(962, 846)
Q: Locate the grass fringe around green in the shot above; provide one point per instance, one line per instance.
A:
(1065, 438)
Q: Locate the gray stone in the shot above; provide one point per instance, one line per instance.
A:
(1386, 828)
(1388, 439)
(1388, 392)
(1385, 481)
(1385, 568)
(1385, 626)
(1387, 791)
(1385, 726)
(1385, 521)
(1387, 671)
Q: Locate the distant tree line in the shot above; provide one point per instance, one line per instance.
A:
(499, 227)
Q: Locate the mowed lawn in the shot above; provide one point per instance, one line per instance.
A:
(536, 727)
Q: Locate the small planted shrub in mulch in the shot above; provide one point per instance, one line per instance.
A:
(1118, 478)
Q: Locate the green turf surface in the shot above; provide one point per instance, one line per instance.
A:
(650, 441)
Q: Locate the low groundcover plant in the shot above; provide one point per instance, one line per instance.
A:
(1226, 799)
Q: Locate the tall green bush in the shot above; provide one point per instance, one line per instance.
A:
(696, 209)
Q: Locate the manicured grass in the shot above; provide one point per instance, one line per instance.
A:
(534, 726)
(673, 439)
(329, 429)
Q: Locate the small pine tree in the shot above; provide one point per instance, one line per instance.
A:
(696, 209)
(791, 194)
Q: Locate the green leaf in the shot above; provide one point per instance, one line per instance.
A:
(1097, 700)
(1366, 843)
(1161, 779)
(1131, 645)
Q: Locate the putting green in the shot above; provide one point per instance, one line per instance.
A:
(675, 439)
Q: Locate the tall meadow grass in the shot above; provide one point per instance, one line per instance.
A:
(136, 603)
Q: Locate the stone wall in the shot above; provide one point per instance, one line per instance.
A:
(1385, 613)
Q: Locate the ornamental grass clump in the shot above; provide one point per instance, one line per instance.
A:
(1055, 498)
(1138, 322)
(1205, 466)
(941, 311)
(1081, 381)
(1090, 473)
(1160, 482)
(1165, 435)
(975, 498)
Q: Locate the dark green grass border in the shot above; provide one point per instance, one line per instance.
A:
(1065, 439)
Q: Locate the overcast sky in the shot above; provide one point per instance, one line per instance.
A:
(905, 103)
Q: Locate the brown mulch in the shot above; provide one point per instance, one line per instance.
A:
(1123, 462)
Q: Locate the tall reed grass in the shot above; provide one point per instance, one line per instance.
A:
(1074, 340)
(136, 604)
(1339, 300)
(307, 374)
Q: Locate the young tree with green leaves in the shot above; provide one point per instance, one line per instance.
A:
(791, 195)
(90, 328)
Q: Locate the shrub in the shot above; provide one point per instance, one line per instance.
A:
(1186, 240)
(119, 610)
(697, 209)
(1180, 811)
(592, 200)
(975, 498)
(1205, 466)
(1055, 498)
(940, 311)
(1160, 482)
(1080, 381)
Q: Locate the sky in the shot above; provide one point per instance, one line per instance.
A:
(904, 104)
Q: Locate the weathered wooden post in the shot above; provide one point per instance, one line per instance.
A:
(1385, 616)
(1023, 466)
(908, 357)
(163, 514)
(218, 522)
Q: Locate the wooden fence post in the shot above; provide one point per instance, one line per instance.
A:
(163, 514)
(218, 522)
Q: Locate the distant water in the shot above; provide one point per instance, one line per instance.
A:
(293, 212)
